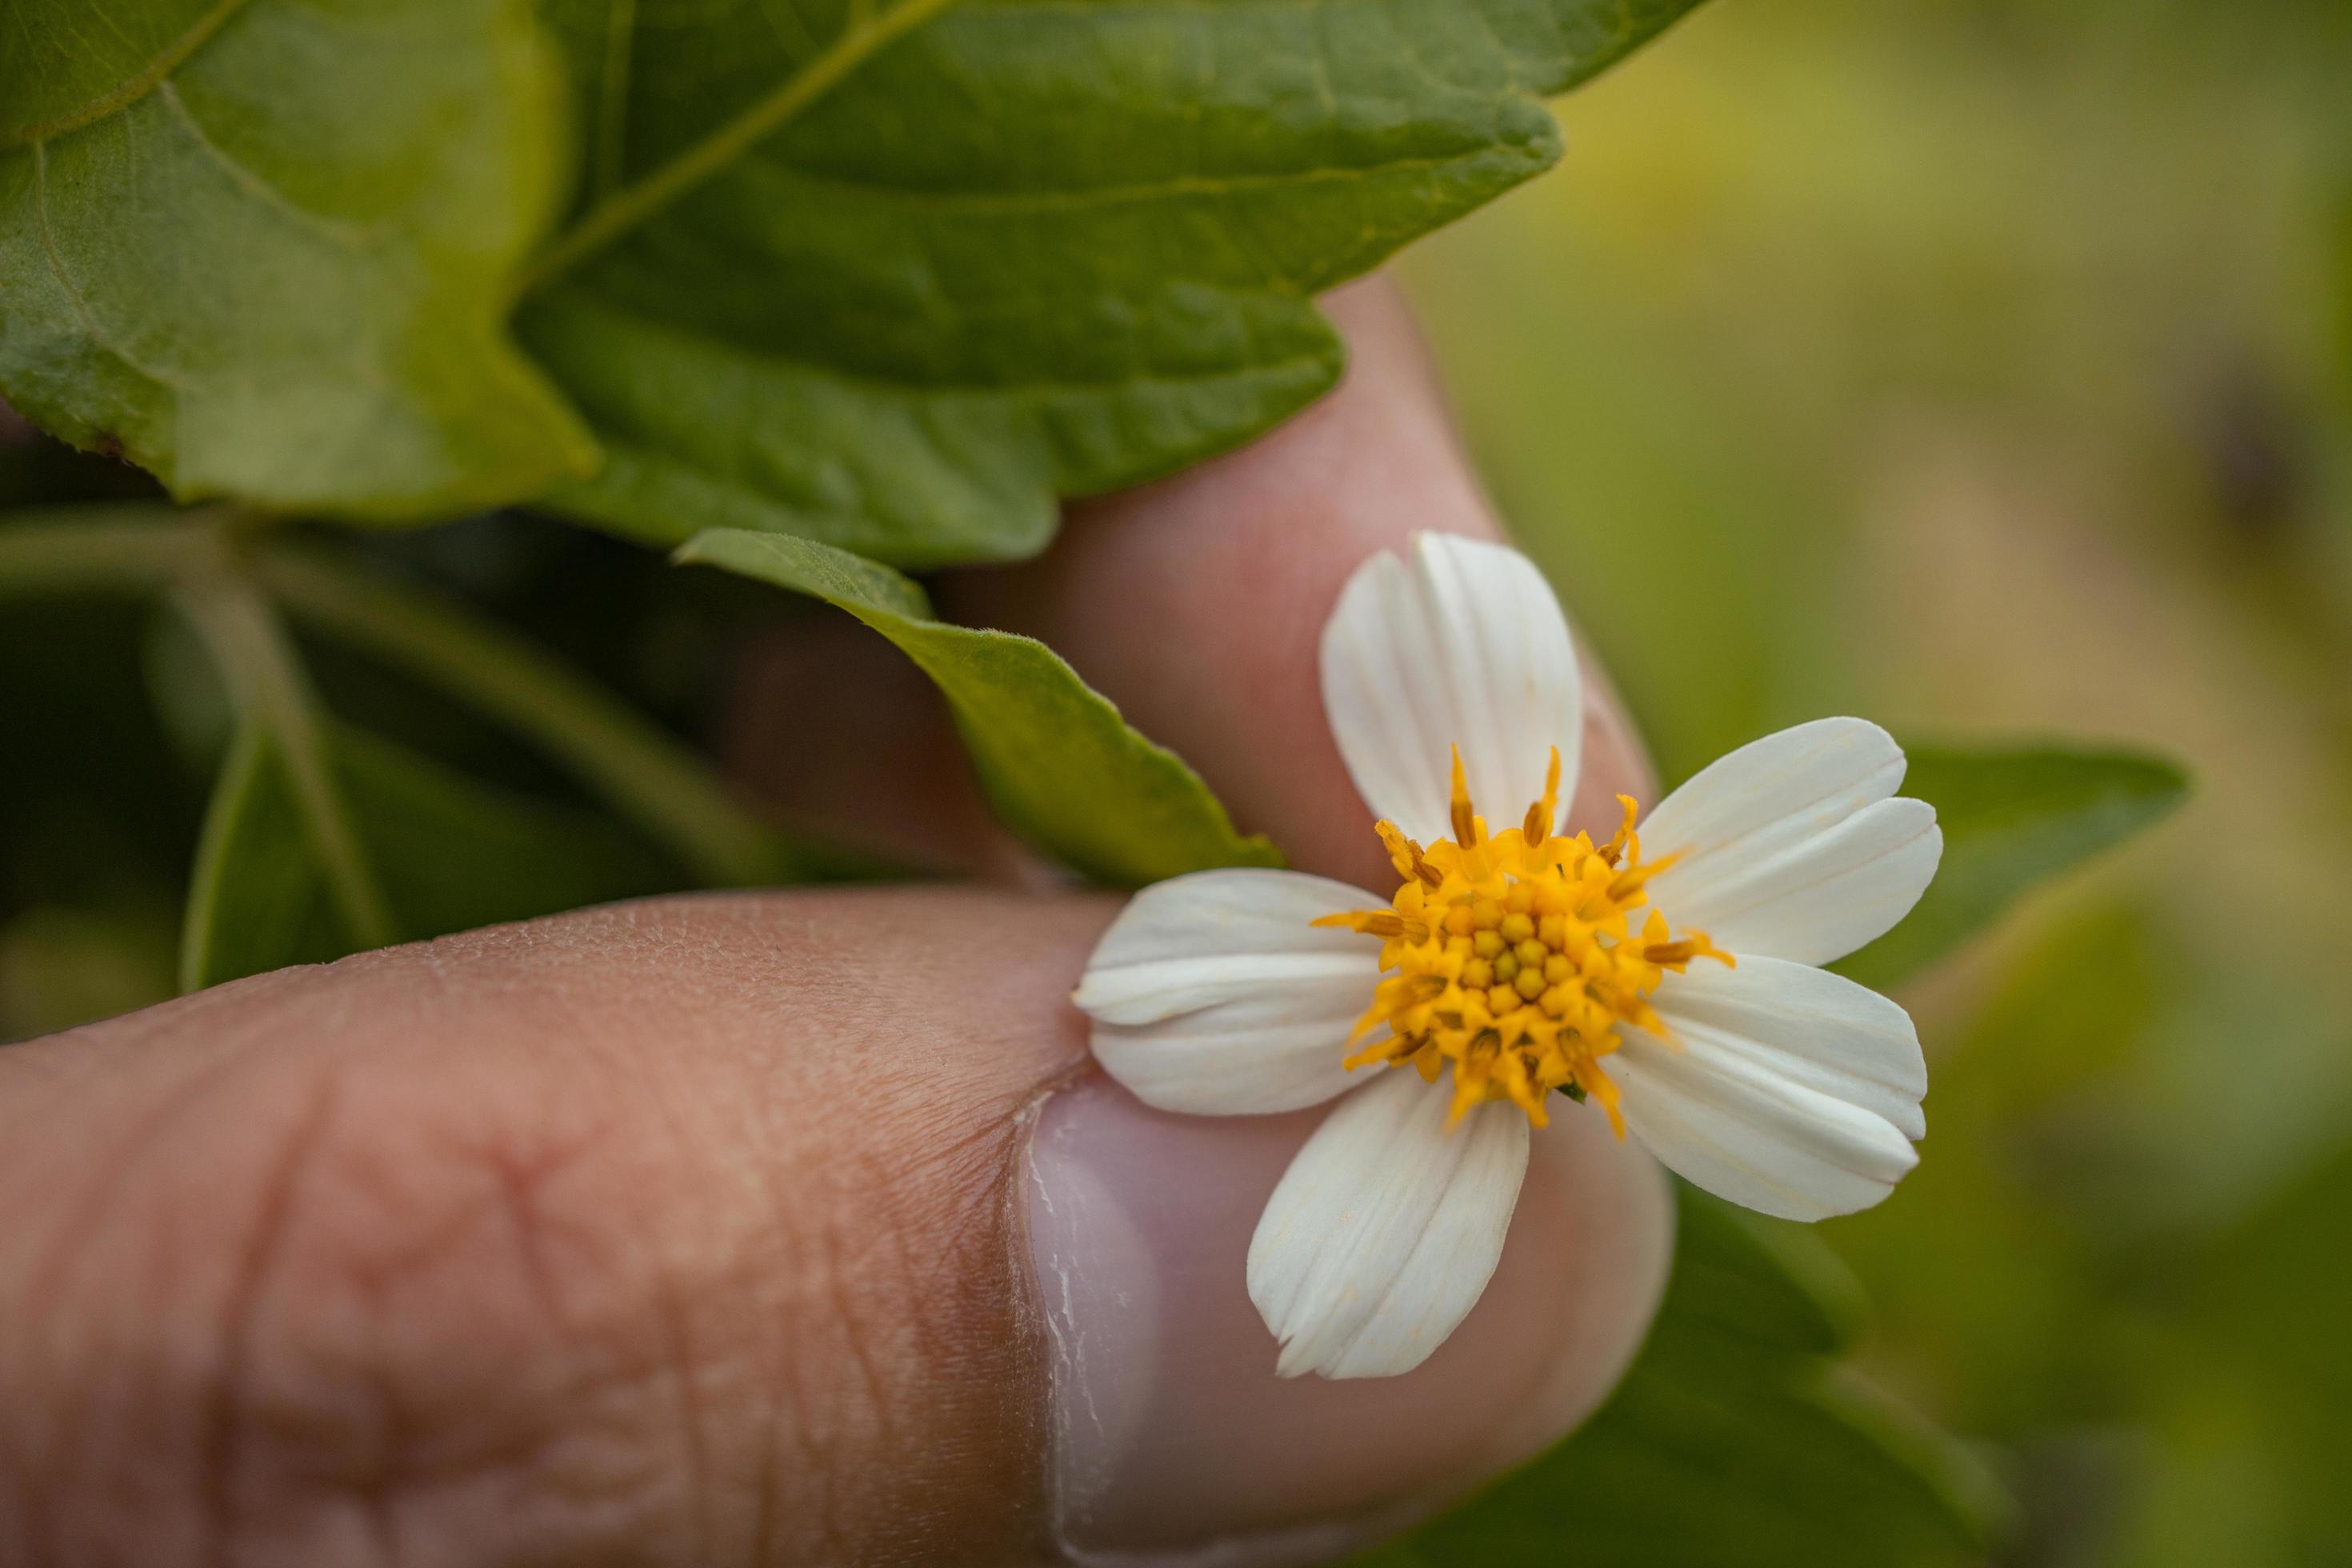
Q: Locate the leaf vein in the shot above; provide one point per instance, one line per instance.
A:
(1018, 203)
(632, 204)
(349, 236)
(132, 91)
(57, 261)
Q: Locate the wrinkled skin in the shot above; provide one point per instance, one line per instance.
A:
(695, 1231)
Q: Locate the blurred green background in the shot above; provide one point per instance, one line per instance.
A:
(1985, 366)
(1982, 366)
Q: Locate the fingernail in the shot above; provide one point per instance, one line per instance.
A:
(1174, 1442)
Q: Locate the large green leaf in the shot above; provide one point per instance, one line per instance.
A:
(266, 248)
(2013, 820)
(1734, 1442)
(1060, 764)
(897, 276)
(453, 854)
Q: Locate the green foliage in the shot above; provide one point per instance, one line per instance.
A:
(323, 839)
(606, 748)
(267, 249)
(453, 854)
(811, 294)
(1059, 764)
(1734, 1441)
(893, 274)
(2013, 820)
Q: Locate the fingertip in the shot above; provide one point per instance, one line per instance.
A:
(1172, 1432)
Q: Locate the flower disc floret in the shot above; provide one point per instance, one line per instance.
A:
(1512, 960)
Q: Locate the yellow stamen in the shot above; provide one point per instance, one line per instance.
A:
(1610, 851)
(1540, 816)
(1515, 962)
(1468, 831)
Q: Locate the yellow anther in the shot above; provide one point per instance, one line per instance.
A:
(1403, 853)
(1465, 821)
(1610, 851)
(1677, 954)
(1514, 962)
(1538, 825)
(1628, 883)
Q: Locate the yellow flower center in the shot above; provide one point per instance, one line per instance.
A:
(1517, 958)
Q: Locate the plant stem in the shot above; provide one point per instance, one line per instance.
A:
(136, 549)
(649, 778)
(273, 692)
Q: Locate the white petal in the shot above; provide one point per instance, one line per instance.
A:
(1382, 1236)
(1785, 1089)
(1815, 1029)
(1791, 847)
(1462, 644)
(1215, 994)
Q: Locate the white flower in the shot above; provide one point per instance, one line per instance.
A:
(1666, 976)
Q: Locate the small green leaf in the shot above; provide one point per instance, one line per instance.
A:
(454, 854)
(2013, 820)
(897, 276)
(1734, 1442)
(1060, 764)
(267, 249)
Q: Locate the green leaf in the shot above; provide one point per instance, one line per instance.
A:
(455, 854)
(2013, 820)
(1059, 764)
(1734, 1441)
(896, 277)
(895, 274)
(266, 248)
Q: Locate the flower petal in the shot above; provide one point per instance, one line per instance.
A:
(1462, 644)
(1815, 1029)
(1785, 1089)
(1791, 847)
(1215, 994)
(1382, 1236)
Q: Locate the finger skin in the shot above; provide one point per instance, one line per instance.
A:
(670, 1233)
(1197, 603)
(839, 737)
